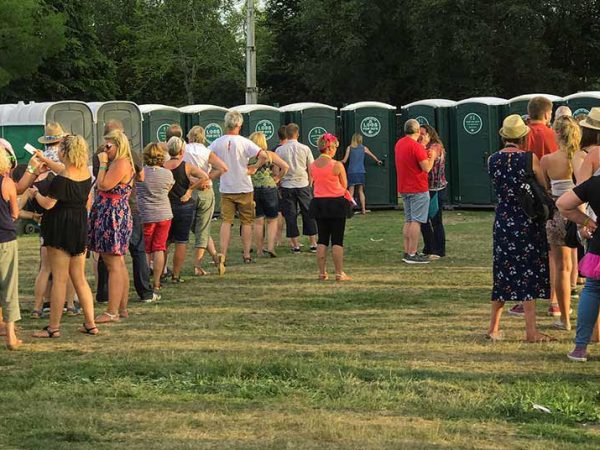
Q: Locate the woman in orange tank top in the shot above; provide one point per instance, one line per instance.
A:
(329, 206)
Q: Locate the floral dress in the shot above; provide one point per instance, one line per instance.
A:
(520, 247)
(110, 223)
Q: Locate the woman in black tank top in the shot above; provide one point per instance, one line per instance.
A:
(187, 178)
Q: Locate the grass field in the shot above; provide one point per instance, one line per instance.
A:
(270, 358)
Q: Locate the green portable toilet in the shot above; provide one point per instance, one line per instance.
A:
(434, 112)
(209, 117)
(263, 118)
(127, 112)
(25, 123)
(581, 102)
(377, 123)
(518, 105)
(157, 120)
(475, 123)
(314, 120)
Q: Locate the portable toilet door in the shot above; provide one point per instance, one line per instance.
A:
(376, 122)
(314, 120)
(263, 118)
(25, 123)
(4, 110)
(476, 122)
(581, 102)
(128, 113)
(434, 112)
(157, 120)
(518, 105)
(209, 117)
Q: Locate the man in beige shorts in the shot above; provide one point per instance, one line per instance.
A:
(237, 193)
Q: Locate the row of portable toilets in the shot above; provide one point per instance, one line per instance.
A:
(468, 128)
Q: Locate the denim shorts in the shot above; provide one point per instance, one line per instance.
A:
(416, 207)
(267, 202)
(181, 224)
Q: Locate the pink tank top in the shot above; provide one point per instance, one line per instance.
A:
(326, 183)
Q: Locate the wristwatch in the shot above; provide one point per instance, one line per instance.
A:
(31, 169)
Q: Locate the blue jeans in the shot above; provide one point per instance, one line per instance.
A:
(587, 312)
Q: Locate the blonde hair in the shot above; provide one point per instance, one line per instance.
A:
(357, 140)
(75, 150)
(5, 164)
(175, 146)
(568, 135)
(123, 149)
(259, 139)
(196, 134)
(154, 155)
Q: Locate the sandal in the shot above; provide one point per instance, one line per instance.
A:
(14, 346)
(324, 276)
(72, 312)
(221, 264)
(342, 277)
(177, 280)
(541, 338)
(37, 314)
(107, 317)
(200, 272)
(47, 333)
(271, 254)
(495, 337)
(92, 331)
(124, 314)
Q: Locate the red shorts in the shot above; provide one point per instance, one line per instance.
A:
(155, 236)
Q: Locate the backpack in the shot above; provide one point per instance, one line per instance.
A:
(533, 198)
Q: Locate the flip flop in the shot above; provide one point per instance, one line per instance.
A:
(200, 272)
(106, 317)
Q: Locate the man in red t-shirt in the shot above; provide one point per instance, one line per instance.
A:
(541, 139)
(412, 166)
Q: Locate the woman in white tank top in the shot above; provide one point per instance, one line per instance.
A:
(558, 169)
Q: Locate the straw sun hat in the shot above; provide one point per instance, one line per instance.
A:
(592, 120)
(513, 127)
(53, 133)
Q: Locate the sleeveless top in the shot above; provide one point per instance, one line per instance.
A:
(8, 230)
(437, 174)
(182, 183)
(326, 183)
(263, 178)
(356, 159)
(559, 187)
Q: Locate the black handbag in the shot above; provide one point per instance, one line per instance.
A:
(533, 198)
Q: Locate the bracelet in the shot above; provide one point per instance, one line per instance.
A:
(103, 168)
(31, 169)
(586, 221)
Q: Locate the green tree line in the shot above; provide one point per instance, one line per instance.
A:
(182, 52)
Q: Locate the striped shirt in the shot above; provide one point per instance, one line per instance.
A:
(153, 194)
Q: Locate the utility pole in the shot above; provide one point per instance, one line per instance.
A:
(251, 89)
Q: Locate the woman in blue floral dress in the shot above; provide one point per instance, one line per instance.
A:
(110, 220)
(521, 270)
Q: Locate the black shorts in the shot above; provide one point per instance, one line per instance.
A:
(267, 202)
(183, 215)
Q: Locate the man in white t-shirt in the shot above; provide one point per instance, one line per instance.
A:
(296, 189)
(237, 193)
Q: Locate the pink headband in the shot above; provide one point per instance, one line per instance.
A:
(329, 138)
